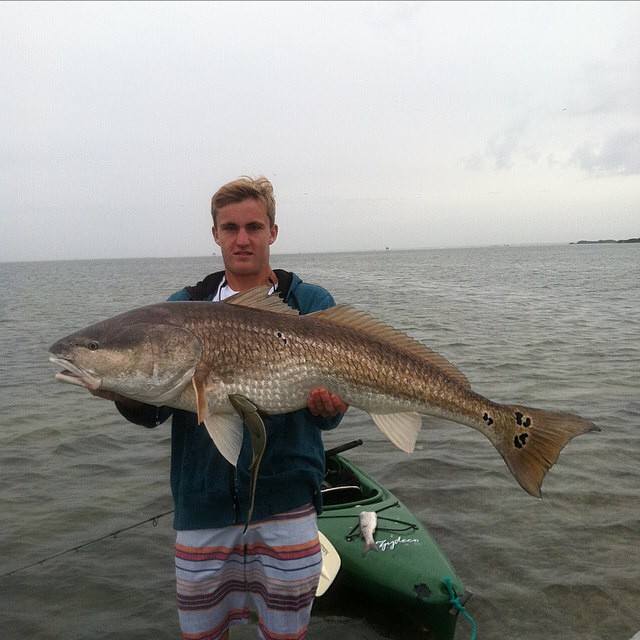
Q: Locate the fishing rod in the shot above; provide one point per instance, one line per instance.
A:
(113, 534)
(153, 519)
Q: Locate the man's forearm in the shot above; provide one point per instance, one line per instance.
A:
(146, 415)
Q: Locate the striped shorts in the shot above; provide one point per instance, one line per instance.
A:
(272, 570)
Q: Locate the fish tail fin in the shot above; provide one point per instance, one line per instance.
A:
(534, 441)
(369, 546)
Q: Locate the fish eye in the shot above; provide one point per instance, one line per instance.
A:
(94, 345)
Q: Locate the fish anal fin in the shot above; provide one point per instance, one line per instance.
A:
(226, 431)
(363, 322)
(258, 298)
(401, 428)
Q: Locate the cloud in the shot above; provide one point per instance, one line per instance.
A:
(505, 148)
(619, 154)
(384, 123)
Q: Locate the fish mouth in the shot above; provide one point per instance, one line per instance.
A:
(72, 374)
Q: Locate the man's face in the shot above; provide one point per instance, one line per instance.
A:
(243, 233)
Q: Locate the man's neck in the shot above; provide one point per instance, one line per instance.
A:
(245, 282)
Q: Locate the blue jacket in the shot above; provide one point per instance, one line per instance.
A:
(209, 492)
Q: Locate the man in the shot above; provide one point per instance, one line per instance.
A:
(223, 573)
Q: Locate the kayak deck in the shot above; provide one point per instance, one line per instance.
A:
(408, 571)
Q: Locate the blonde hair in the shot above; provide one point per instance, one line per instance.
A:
(245, 187)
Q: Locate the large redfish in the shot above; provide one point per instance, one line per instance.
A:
(194, 355)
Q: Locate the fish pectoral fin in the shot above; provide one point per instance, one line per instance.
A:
(401, 428)
(199, 381)
(257, 431)
(226, 432)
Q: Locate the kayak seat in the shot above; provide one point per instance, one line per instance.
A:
(341, 495)
(341, 486)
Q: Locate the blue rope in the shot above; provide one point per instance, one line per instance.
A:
(455, 601)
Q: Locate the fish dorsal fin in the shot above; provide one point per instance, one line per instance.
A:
(259, 298)
(364, 322)
(226, 431)
(401, 428)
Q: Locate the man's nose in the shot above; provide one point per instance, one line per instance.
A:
(242, 237)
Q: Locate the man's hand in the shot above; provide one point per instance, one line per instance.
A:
(324, 404)
(107, 395)
(116, 397)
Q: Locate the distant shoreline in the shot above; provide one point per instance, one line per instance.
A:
(605, 241)
(217, 259)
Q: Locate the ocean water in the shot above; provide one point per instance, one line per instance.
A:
(551, 326)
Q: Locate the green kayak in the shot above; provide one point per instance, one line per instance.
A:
(407, 570)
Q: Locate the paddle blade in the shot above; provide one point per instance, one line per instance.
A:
(330, 564)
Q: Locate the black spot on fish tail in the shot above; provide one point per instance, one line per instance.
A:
(487, 418)
(526, 422)
(520, 441)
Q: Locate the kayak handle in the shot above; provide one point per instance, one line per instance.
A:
(343, 447)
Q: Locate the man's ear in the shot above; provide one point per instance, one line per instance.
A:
(214, 233)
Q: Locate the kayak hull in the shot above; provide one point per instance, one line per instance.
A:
(408, 571)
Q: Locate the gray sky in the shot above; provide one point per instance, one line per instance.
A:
(400, 124)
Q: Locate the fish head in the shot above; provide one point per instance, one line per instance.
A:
(137, 357)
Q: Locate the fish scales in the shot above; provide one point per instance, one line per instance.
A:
(194, 355)
(312, 352)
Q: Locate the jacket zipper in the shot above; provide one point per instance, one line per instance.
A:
(233, 490)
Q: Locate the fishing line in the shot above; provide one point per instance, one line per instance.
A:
(113, 534)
